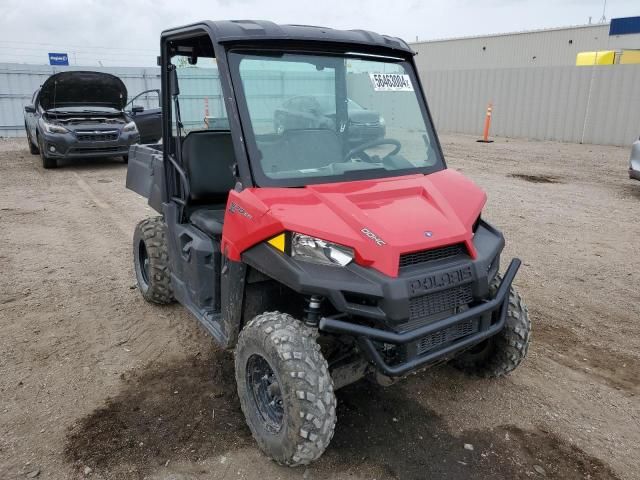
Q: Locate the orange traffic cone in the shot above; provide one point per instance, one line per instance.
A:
(487, 125)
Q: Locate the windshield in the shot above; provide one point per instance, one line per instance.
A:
(325, 118)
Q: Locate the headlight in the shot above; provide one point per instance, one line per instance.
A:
(383, 122)
(130, 127)
(53, 128)
(315, 250)
(312, 249)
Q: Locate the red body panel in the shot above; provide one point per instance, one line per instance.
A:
(399, 211)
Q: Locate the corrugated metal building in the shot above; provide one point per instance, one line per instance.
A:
(536, 48)
(534, 85)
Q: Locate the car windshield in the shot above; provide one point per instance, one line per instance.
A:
(326, 118)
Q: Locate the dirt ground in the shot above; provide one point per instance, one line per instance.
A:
(96, 383)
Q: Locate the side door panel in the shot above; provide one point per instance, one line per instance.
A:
(149, 125)
(195, 261)
(149, 120)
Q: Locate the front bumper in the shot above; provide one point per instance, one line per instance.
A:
(489, 325)
(430, 310)
(67, 145)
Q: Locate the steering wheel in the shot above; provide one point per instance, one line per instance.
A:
(373, 143)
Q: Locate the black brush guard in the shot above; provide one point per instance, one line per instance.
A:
(367, 335)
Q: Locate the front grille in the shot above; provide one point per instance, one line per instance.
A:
(434, 303)
(96, 150)
(106, 136)
(447, 335)
(424, 256)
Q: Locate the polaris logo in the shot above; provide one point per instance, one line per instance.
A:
(440, 280)
(368, 233)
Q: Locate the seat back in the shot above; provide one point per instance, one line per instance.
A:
(300, 149)
(209, 161)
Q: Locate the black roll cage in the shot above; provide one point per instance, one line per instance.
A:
(224, 37)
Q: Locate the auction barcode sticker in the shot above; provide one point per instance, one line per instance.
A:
(391, 82)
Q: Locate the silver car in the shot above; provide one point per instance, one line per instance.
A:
(634, 162)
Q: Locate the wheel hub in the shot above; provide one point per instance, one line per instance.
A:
(264, 387)
(143, 258)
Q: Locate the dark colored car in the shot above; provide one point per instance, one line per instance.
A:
(319, 111)
(148, 118)
(80, 114)
(634, 161)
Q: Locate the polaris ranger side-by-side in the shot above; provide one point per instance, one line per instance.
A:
(318, 259)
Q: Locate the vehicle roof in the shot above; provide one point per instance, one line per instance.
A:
(226, 31)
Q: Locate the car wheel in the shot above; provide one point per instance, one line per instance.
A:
(125, 158)
(285, 390)
(47, 162)
(33, 150)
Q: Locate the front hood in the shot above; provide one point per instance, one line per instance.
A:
(77, 89)
(379, 219)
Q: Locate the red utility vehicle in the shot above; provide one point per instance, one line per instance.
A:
(318, 258)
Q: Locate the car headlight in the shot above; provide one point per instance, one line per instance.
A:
(53, 128)
(130, 127)
(312, 249)
(383, 122)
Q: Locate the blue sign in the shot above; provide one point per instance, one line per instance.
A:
(624, 26)
(58, 59)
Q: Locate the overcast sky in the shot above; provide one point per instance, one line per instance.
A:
(126, 32)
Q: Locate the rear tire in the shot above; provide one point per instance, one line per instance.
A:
(151, 261)
(285, 390)
(504, 352)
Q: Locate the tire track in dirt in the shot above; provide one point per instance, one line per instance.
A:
(107, 209)
(617, 369)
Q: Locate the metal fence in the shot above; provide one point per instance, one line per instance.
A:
(598, 105)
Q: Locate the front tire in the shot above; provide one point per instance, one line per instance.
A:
(151, 261)
(504, 352)
(47, 162)
(125, 158)
(33, 150)
(285, 389)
